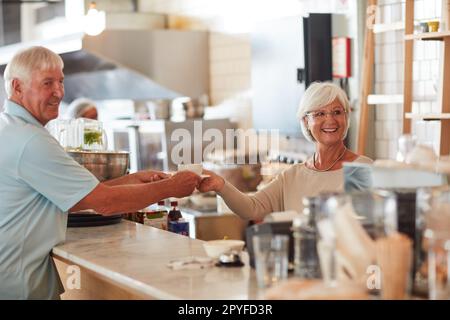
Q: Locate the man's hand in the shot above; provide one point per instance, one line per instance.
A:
(213, 183)
(150, 176)
(184, 183)
(139, 177)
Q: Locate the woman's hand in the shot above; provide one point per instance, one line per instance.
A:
(213, 183)
(183, 183)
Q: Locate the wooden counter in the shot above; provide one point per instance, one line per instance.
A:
(129, 261)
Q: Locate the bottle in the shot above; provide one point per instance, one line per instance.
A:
(174, 214)
(175, 221)
(157, 217)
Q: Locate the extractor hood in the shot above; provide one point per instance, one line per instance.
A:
(129, 64)
(87, 75)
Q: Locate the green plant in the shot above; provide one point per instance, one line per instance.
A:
(92, 136)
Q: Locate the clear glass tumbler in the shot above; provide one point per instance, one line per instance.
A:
(271, 259)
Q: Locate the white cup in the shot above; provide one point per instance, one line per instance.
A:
(196, 168)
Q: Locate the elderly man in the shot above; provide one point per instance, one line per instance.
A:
(40, 183)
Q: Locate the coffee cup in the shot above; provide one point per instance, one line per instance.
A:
(196, 168)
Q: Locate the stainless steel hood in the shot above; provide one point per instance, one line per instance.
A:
(87, 75)
(129, 64)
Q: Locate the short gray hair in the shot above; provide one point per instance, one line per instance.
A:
(77, 107)
(318, 95)
(28, 60)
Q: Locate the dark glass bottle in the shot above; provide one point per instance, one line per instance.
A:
(174, 214)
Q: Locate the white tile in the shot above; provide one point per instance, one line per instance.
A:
(430, 131)
(416, 70)
(398, 127)
(399, 113)
(418, 9)
(378, 54)
(434, 66)
(379, 130)
(399, 52)
(386, 12)
(392, 153)
(378, 72)
(391, 113)
(385, 52)
(438, 8)
(415, 107)
(382, 149)
(419, 89)
(418, 50)
(421, 130)
(400, 74)
(380, 113)
(396, 12)
(429, 9)
(425, 107)
(435, 107)
(429, 90)
(425, 70)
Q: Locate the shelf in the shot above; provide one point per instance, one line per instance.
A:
(385, 27)
(436, 36)
(428, 116)
(384, 99)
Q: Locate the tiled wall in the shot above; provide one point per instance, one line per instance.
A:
(230, 54)
(230, 65)
(389, 60)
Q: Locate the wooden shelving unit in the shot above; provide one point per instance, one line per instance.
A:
(428, 116)
(410, 37)
(386, 27)
(374, 99)
(430, 36)
(444, 90)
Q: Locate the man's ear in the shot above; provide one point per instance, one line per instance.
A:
(17, 87)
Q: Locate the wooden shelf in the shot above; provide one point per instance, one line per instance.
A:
(435, 36)
(374, 99)
(428, 116)
(385, 27)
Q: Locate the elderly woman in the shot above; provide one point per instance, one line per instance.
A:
(81, 108)
(324, 119)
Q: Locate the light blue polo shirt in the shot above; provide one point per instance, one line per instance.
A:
(39, 183)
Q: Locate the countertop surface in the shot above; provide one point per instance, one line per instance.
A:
(136, 256)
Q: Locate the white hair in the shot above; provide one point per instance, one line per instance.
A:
(28, 60)
(318, 95)
(77, 107)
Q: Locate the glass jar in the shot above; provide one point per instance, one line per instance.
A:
(94, 137)
(433, 263)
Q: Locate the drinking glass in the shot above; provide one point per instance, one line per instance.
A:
(433, 267)
(271, 259)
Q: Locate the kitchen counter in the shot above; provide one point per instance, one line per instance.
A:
(129, 261)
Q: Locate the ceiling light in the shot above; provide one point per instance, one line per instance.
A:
(94, 21)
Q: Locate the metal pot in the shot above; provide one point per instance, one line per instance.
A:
(159, 109)
(193, 109)
(105, 165)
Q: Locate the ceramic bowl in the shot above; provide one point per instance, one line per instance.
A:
(215, 248)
